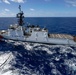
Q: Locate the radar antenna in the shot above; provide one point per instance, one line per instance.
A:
(20, 8)
(20, 15)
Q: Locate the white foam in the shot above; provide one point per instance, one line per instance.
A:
(50, 49)
(5, 59)
(7, 73)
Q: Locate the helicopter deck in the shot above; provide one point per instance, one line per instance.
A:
(60, 36)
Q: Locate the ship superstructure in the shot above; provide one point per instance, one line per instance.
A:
(32, 33)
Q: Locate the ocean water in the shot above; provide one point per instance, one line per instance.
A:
(23, 58)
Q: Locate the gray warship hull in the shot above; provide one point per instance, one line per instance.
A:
(36, 35)
(33, 33)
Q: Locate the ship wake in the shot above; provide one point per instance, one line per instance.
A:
(18, 58)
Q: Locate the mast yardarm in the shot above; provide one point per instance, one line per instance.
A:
(20, 15)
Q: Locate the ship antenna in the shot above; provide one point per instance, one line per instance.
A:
(20, 16)
(20, 8)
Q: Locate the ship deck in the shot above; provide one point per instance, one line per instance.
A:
(60, 36)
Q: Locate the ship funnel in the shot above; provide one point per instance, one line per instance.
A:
(20, 16)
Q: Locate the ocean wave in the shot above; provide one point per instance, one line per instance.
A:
(22, 58)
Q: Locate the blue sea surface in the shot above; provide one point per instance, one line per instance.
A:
(39, 59)
(66, 25)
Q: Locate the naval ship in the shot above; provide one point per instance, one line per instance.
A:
(34, 34)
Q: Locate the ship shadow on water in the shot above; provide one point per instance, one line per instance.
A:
(40, 59)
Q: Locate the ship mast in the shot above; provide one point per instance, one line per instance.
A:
(20, 16)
